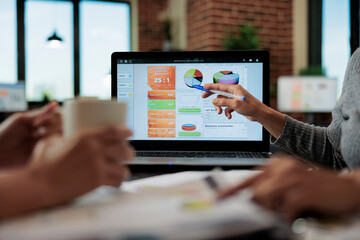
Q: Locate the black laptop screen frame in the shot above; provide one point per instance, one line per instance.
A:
(199, 57)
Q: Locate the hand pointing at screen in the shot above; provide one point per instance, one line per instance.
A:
(251, 108)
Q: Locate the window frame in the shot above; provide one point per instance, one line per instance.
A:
(315, 26)
(21, 64)
(354, 25)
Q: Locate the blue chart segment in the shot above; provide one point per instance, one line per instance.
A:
(188, 127)
(227, 77)
(193, 77)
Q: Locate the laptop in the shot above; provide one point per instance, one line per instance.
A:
(12, 97)
(173, 125)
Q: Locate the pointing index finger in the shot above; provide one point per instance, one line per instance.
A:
(246, 183)
(220, 86)
(45, 113)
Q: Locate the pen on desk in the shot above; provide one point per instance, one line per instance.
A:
(222, 93)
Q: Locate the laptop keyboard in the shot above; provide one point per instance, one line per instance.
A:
(203, 154)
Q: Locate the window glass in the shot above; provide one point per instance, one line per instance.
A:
(8, 51)
(336, 39)
(104, 29)
(49, 67)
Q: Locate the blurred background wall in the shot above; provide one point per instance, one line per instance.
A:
(304, 37)
(209, 22)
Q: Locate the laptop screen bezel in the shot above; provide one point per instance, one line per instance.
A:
(222, 56)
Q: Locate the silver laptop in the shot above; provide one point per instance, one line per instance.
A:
(173, 125)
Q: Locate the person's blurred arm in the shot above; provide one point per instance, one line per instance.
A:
(20, 192)
(294, 189)
(21, 131)
(59, 174)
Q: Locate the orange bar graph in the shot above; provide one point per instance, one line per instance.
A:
(161, 132)
(4, 93)
(161, 94)
(153, 113)
(161, 123)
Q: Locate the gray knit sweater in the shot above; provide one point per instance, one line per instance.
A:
(338, 145)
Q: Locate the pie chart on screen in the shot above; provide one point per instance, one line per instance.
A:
(227, 77)
(193, 77)
(188, 127)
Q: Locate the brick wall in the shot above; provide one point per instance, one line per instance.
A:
(151, 34)
(207, 21)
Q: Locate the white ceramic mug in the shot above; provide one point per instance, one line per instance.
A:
(88, 113)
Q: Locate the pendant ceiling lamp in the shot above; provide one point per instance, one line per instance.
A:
(55, 41)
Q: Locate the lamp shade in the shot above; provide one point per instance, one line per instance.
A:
(54, 41)
(54, 37)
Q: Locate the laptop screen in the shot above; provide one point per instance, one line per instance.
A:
(163, 105)
(12, 97)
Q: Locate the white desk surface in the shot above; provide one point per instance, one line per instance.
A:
(163, 207)
(170, 206)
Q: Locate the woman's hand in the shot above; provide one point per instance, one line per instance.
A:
(21, 131)
(61, 170)
(74, 166)
(290, 187)
(251, 108)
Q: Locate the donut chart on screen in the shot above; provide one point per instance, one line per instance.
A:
(227, 77)
(188, 127)
(193, 77)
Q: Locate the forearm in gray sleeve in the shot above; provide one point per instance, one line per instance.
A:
(306, 141)
(350, 140)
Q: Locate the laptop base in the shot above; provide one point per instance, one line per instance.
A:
(160, 165)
